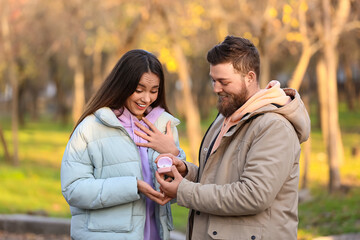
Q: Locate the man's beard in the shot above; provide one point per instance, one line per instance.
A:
(232, 102)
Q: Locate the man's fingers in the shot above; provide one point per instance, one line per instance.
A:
(158, 178)
(175, 172)
(168, 179)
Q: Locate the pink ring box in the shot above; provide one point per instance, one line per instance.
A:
(164, 164)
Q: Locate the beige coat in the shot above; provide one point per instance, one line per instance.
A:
(248, 188)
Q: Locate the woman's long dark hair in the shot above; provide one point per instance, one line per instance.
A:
(123, 81)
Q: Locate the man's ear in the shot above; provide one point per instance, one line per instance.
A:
(250, 80)
(251, 77)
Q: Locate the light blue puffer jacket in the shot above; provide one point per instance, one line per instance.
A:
(98, 178)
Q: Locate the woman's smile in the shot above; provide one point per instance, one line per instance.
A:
(145, 94)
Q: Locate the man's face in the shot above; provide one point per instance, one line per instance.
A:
(230, 87)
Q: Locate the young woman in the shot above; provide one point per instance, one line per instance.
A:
(107, 171)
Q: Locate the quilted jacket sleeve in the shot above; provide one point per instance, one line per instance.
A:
(82, 190)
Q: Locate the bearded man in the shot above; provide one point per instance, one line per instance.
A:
(246, 185)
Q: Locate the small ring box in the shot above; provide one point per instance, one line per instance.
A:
(164, 164)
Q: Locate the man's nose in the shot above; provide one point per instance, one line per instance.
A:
(217, 87)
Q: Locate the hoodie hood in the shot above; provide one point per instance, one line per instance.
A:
(295, 112)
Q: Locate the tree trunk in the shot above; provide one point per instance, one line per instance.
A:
(191, 111)
(349, 86)
(301, 67)
(3, 143)
(307, 154)
(334, 147)
(306, 145)
(34, 103)
(97, 63)
(265, 69)
(308, 49)
(334, 142)
(22, 101)
(323, 97)
(9, 55)
(132, 36)
(220, 20)
(79, 88)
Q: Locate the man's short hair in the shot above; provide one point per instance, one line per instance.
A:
(241, 52)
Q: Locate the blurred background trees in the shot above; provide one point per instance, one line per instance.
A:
(54, 55)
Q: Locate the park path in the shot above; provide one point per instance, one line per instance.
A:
(31, 236)
(351, 236)
(27, 227)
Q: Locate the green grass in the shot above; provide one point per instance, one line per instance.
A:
(330, 215)
(180, 217)
(35, 184)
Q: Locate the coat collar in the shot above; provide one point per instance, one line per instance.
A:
(107, 117)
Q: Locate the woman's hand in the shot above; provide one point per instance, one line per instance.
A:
(148, 191)
(180, 165)
(162, 143)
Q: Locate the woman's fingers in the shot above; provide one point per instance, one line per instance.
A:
(152, 194)
(151, 126)
(168, 128)
(142, 135)
(143, 128)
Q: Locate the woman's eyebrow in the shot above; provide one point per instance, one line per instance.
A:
(141, 85)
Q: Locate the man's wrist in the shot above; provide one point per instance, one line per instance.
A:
(184, 171)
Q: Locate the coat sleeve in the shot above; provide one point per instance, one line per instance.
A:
(267, 168)
(82, 190)
(192, 171)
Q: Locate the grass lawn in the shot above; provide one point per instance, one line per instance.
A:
(35, 184)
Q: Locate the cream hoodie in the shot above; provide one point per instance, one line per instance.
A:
(271, 94)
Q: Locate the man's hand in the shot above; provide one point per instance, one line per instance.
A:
(162, 143)
(169, 188)
(156, 196)
(180, 165)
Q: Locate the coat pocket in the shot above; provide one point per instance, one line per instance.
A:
(112, 219)
(235, 232)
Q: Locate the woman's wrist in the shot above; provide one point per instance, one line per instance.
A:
(175, 152)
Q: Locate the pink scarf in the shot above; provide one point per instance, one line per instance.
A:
(271, 94)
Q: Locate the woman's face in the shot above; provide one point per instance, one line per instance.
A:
(145, 94)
